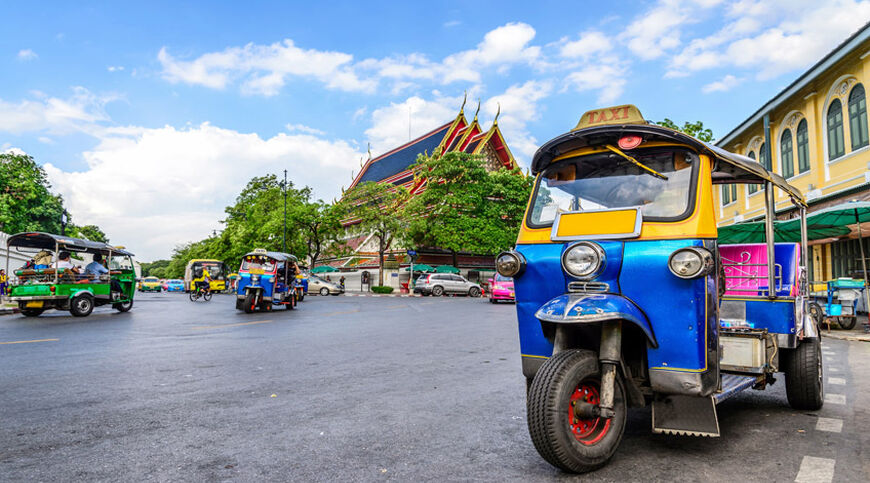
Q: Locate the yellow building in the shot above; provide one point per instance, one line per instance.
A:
(814, 133)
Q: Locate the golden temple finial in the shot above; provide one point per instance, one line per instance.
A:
(370, 150)
(352, 175)
(495, 121)
(464, 98)
(478, 109)
(342, 189)
(361, 161)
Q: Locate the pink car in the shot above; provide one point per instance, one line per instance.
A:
(501, 288)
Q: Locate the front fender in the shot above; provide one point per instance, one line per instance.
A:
(594, 308)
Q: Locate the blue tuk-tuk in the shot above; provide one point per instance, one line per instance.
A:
(266, 279)
(626, 298)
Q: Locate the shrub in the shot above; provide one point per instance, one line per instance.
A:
(382, 289)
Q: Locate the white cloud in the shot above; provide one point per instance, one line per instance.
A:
(80, 112)
(725, 84)
(26, 54)
(608, 78)
(773, 37)
(519, 107)
(264, 69)
(452, 23)
(304, 129)
(398, 123)
(115, 68)
(590, 43)
(151, 189)
(658, 30)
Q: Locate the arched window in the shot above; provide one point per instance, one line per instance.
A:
(752, 187)
(786, 154)
(803, 147)
(858, 117)
(836, 145)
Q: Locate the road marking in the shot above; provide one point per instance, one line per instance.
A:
(835, 398)
(831, 425)
(816, 470)
(28, 341)
(201, 327)
(416, 308)
(833, 369)
(839, 381)
(829, 359)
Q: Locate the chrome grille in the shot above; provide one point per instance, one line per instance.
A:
(588, 287)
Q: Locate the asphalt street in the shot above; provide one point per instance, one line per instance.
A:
(356, 389)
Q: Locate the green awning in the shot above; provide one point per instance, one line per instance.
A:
(446, 269)
(323, 269)
(423, 268)
(827, 223)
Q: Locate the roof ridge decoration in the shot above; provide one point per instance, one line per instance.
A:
(439, 150)
(495, 131)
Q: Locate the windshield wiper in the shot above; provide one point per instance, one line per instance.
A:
(636, 162)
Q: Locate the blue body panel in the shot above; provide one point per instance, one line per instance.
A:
(777, 317)
(577, 308)
(677, 310)
(266, 283)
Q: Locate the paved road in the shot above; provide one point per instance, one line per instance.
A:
(355, 389)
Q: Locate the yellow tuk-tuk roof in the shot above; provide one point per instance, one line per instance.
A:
(606, 126)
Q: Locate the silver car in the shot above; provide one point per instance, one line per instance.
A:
(320, 286)
(438, 284)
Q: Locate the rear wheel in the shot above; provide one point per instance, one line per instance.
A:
(816, 313)
(81, 305)
(568, 442)
(32, 312)
(803, 376)
(437, 291)
(847, 323)
(474, 292)
(193, 296)
(123, 306)
(250, 302)
(324, 291)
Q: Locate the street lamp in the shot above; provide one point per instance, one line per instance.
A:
(284, 190)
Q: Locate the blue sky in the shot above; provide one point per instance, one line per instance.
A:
(149, 119)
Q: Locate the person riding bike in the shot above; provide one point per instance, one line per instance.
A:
(204, 285)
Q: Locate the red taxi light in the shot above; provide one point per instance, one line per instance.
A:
(52, 288)
(629, 142)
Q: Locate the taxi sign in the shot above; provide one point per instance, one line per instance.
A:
(260, 250)
(625, 114)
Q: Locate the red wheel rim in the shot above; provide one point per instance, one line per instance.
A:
(586, 430)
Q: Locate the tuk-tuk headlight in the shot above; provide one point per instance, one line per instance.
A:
(583, 260)
(255, 279)
(691, 262)
(510, 263)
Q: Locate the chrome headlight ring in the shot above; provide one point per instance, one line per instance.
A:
(510, 263)
(691, 262)
(583, 260)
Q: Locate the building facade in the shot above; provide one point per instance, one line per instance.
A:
(814, 134)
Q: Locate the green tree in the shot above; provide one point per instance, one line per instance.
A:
(695, 129)
(320, 224)
(26, 202)
(157, 268)
(465, 207)
(90, 232)
(377, 207)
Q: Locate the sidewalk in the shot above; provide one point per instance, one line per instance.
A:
(856, 334)
(8, 309)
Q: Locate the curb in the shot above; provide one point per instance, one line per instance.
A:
(855, 338)
(379, 295)
(9, 310)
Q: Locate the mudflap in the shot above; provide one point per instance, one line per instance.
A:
(685, 415)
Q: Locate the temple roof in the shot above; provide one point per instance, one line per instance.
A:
(401, 158)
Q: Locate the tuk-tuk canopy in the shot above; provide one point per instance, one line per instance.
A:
(48, 241)
(607, 126)
(277, 256)
(830, 222)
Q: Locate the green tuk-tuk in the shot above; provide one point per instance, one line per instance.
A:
(67, 273)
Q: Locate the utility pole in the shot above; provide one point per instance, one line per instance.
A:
(284, 188)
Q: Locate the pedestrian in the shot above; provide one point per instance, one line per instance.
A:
(4, 280)
(341, 282)
(328, 279)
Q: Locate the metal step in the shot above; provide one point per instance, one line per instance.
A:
(733, 384)
(684, 416)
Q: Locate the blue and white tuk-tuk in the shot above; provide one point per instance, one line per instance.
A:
(626, 298)
(266, 279)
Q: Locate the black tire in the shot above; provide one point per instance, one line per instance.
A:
(324, 291)
(81, 305)
(815, 311)
(240, 304)
(804, 384)
(492, 300)
(206, 296)
(123, 306)
(32, 312)
(300, 296)
(193, 296)
(847, 323)
(437, 291)
(250, 304)
(576, 446)
(474, 292)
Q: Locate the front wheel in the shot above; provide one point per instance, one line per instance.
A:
(206, 296)
(803, 376)
(568, 442)
(250, 302)
(324, 291)
(474, 292)
(437, 291)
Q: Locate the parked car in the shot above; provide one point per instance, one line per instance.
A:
(501, 288)
(320, 286)
(150, 284)
(438, 284)
(175, 285)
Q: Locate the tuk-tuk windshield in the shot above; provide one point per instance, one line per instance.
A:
(258, 262)
(121, 263)
(606, 181)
